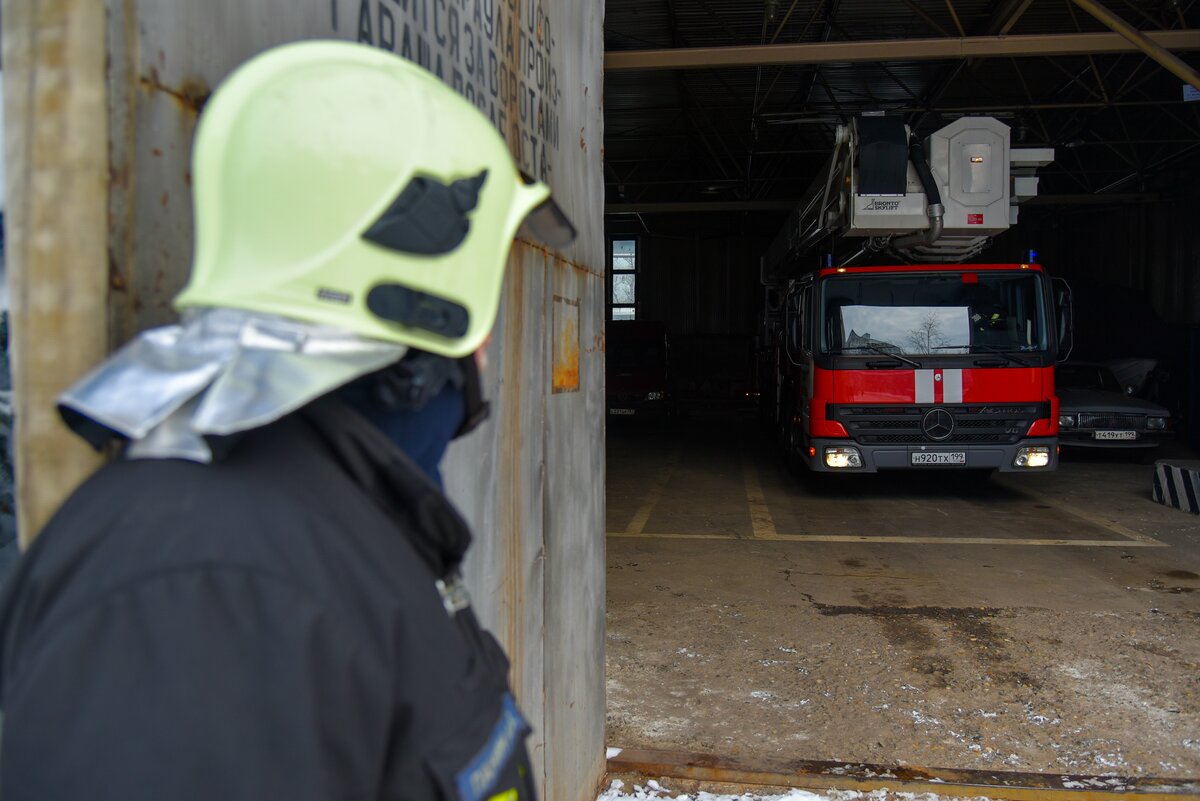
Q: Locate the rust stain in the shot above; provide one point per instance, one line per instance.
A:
(156, 152)
(118, 177)
(566, 367)
(164, 199)
(190, 96)
(123, 158)
(538, 247)
(187, 177)
(511, 486)
(582, 141)
(566, 345)
(513, 105)
(597, 345)
(116, 281)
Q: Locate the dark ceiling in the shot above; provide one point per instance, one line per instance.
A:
(752, 138)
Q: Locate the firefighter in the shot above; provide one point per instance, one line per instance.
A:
(261, 598)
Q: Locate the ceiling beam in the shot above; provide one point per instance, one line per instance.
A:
(1169, 61)
(894, 50)
(684, 207)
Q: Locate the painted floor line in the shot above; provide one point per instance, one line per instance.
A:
(760, 516)
(638, 523)
(915, 540)
(1083, 514)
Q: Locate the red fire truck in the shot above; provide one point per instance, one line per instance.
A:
(934, 364)
(916, 366)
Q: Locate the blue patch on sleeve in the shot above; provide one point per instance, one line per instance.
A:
(478, 778)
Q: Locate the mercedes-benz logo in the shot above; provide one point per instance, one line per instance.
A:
(938, 424)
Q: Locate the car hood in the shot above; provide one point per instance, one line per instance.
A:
(1099, 400)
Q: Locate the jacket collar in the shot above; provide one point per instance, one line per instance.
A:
(404, 493)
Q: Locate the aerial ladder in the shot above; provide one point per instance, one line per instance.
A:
(884, 191)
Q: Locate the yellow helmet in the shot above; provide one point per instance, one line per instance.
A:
(339, 184)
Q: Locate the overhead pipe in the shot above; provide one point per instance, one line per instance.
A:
(1153, 49)
(933, 200)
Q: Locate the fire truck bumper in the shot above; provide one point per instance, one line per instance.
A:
(1036, 454)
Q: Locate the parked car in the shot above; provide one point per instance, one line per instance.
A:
(636, 368)
(1095, 411)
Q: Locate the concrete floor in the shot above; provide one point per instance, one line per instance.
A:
(1034, 623)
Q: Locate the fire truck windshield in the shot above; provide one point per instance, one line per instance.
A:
(940, 313)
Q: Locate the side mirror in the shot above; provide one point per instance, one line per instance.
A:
(1064, 321)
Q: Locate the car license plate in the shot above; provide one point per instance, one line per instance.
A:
(1116, 435)
(939, 457)
(620, 411)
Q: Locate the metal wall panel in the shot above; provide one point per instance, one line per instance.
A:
(531, 480)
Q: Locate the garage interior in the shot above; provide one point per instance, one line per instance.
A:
(1041, 624)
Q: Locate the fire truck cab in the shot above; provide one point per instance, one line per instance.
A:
(918, 366)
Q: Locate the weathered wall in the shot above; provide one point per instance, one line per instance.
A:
(531, 480)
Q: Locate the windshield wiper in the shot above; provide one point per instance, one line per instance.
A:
(889, 354)
(996, 349)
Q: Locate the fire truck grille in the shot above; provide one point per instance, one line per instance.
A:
(902, 425)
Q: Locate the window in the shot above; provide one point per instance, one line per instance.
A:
(623, 272)
(945, 313)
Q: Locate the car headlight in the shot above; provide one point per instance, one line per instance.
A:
(1156, 423)
(1066, 421)
(1037, 456)
(843, 457)
(655, 395)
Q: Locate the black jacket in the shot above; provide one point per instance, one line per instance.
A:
(266, 627)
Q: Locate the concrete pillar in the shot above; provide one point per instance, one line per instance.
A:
(56, 149)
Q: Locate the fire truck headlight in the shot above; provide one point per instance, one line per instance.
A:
(655, 395)
(1066, 421)
(1037, 456)
(843, 457)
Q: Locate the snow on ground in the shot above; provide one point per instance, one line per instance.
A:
(617, 791)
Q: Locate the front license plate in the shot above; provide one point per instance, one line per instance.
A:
(620, 411)
(940, 457)
(1116, 435)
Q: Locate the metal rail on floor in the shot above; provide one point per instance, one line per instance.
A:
(818, 776)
